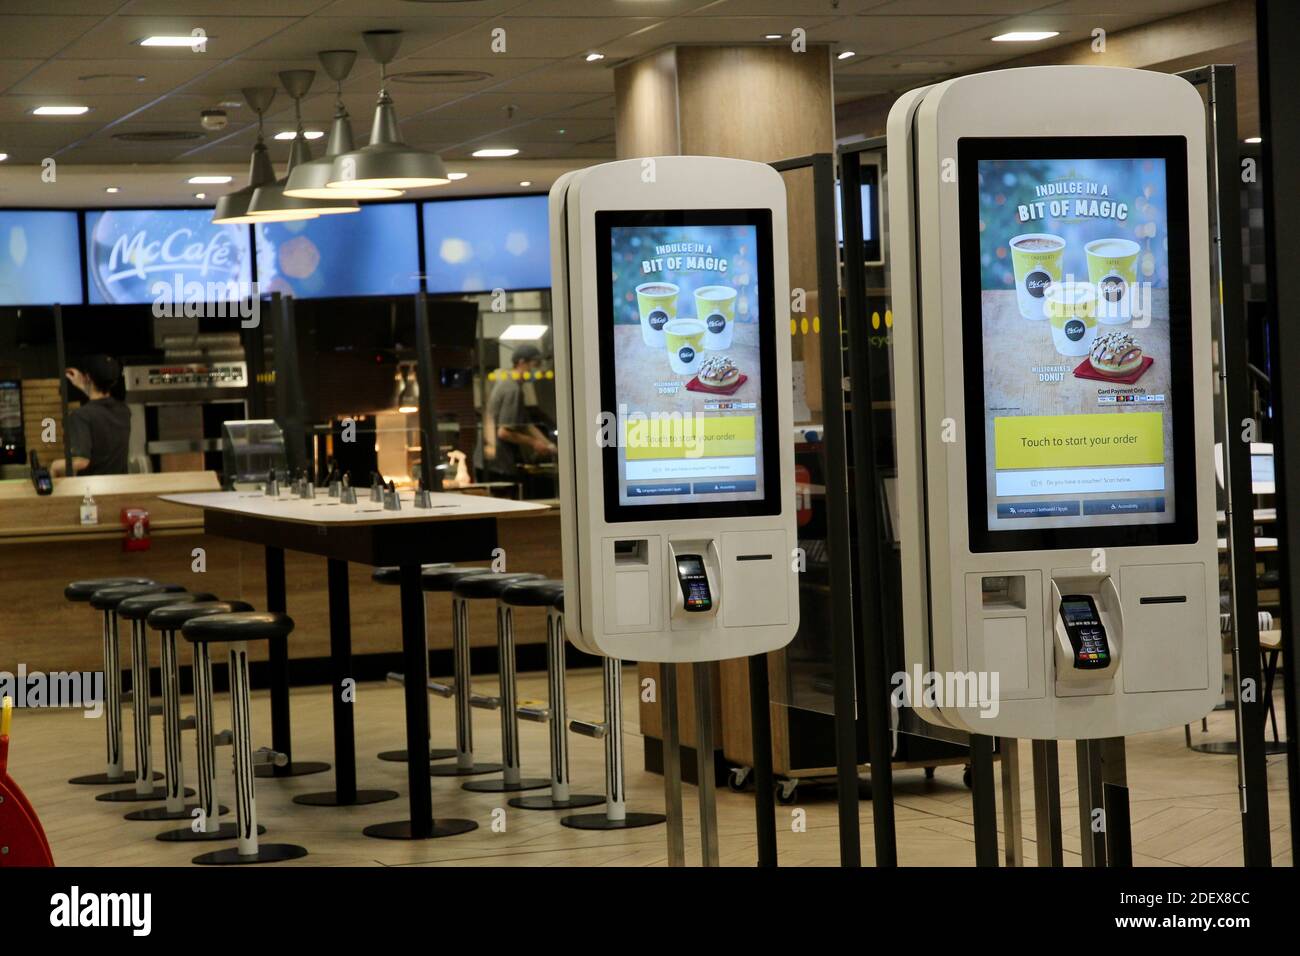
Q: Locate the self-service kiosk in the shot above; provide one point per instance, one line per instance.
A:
(1050, 250)
(671, 297)
(670, 291)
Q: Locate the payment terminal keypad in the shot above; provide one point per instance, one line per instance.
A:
(696, 595)
(1087, 635)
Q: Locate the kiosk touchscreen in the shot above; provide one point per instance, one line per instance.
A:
(1052, 335)
(671, 297)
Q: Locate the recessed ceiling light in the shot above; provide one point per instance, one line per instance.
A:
(771, 36)
(190, 40)
(525, 182)
(523, 333)
(1026, 36)
(309, 134)
(208, 180)
(495, 152)
(561, 131)
(3, 157)
(60, 110)
(457, 175)
(200, 195)
(111, 189)
(847, 54)
(1253, 139)
(593, 57)
(230, 104)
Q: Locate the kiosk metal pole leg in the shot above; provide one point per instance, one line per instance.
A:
(760, 719)
(1092, 835)
(1047, 803)
(615, 798)
(672, 745)
(703, 680)
(1114, 791)
(1014, 850)
(983, 800)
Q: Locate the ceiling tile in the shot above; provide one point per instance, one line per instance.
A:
(40, 36)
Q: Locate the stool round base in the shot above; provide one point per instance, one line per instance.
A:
(499, 785)
(1228, 748)
(576, 801)
(401, 829)
(266, 853)
(156, 795)
(598, 821)
(330, 798)
(437, 753)
(455, 770)
(295, 768)
(162, 813)
(225, 831)
(104, 780)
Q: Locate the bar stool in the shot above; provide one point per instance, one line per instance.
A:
(237, 629)
(136, 610)
(545, 593)
(444, 579)
(393, 576)
(615, 816)
(81, 591)
(108, 599)
(491, 586)
(169, 619)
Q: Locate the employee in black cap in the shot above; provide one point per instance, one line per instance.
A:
(507, 430)
(99, 431)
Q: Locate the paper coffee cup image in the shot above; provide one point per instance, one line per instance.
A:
(1036, 261)
(657, 302)
(1071, 309)
(716, 307)
(1112, 268)
(685, 341)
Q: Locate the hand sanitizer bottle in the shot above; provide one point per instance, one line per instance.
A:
(89, 510)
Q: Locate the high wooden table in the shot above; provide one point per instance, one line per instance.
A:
(457, 528)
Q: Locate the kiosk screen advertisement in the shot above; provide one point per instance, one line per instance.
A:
(688, 356)
(1081, 338)
(174, 256)
(477, 245)
(371, 252)
(39, 261)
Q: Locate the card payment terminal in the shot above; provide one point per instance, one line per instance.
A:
(1086, 632)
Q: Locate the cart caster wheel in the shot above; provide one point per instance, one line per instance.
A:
(786, 791)
(965, 776)
(929, 773)
(738, 779)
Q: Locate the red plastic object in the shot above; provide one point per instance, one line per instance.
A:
(136, 523)
(22, 841)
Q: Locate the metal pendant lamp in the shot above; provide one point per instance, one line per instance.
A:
(386, 162)
(270, 198)
(308, 180)
(232, 208)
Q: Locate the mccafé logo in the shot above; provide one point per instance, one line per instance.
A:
(686, 354)
(1074, 330)
(1036, 283)
(135, 256)
(716, 323)
(657, 319)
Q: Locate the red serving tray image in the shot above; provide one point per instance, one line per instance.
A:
(1085, 370)
(695, 385)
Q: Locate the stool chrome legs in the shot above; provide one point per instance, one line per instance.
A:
(511, 779)
(558, 724)
(463, 696)
(615, 816)
(144, 789)
(248, 849)
(116, 770)
(174, 783)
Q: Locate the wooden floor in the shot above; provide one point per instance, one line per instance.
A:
(1183, 804)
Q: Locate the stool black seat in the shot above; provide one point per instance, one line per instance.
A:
(393, 575)
(109, 600)
(442, 579)
(489, 584)
(82, 590)
(168, 619)
(237, 629)
(238, 626)
(543, 593)
(138, 608)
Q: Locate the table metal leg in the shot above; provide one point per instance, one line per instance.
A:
(415, 664)
(345, 793)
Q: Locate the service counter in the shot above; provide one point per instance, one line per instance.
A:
(43, 546)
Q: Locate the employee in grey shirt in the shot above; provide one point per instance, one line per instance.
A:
(99, 431)
(506, 427)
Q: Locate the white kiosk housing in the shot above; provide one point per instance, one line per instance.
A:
(1050, 254)
(671, 300)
